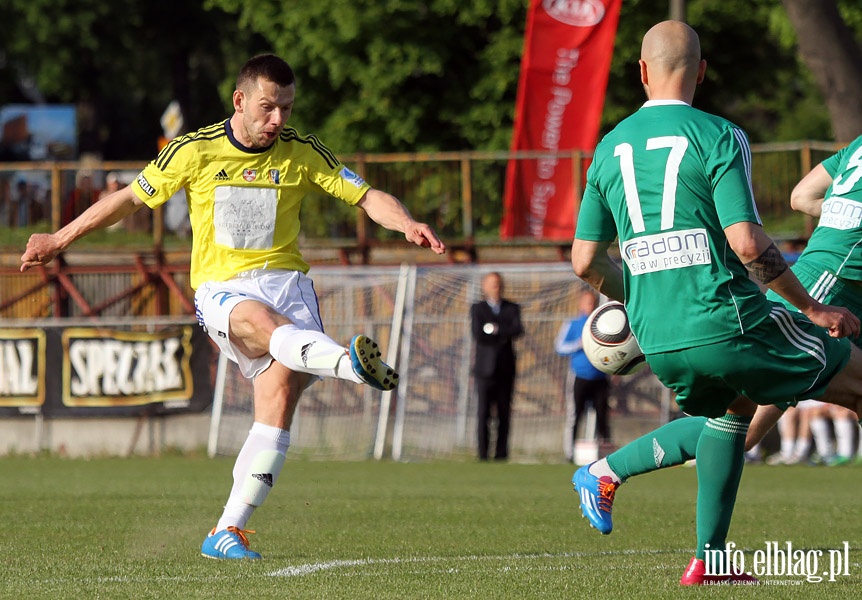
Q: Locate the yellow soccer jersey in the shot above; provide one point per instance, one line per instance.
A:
(244, 202)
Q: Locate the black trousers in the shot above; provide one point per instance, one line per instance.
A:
(496, 394)
(595, 391)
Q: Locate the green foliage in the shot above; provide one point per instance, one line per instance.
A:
(851, 12)
(397, 75)
(377, 75)
(411, 75)
(121, 63)
(753, 77)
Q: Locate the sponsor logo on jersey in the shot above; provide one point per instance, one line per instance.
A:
(145, 185)
(221, 176)
(580, 13)
(669, 250)
(351, 177)
(274, 176)
(841, 213)
(249, 174)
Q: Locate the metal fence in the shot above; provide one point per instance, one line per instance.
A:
(459, 193)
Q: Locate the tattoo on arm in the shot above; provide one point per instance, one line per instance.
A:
(768, 265)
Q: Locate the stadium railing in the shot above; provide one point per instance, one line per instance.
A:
(459, 193)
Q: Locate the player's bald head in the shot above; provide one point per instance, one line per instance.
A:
(671, 46)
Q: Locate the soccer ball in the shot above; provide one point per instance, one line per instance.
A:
(608, 341)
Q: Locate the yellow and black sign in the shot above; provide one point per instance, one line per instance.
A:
(97, 371)
(126, 368)
(23, 359)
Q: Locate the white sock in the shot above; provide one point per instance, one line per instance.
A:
(788, 445)
(754, 453)
(262, 440)
(822, 437)
(802, 448)
(788, 441)
(845, 429)
(601, 468)
(309, 351)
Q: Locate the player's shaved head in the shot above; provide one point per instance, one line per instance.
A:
(670, 63)
(671, 46)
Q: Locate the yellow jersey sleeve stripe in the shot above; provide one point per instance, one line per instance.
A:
(167, 149)
(207, 133)
(172, 145)
(316, 143)
(289, 134)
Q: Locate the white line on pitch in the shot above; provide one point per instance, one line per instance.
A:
(309, 568)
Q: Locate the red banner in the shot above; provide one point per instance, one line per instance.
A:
(561, 92)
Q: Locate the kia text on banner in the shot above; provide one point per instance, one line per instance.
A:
(561, 91)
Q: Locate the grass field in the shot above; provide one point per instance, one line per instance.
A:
(132, 528)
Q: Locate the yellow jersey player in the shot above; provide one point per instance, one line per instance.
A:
(245, 179)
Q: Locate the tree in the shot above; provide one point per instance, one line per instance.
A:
(120, 63)
(752, 78)
(397, 75)
(831, 52)
(408, 75)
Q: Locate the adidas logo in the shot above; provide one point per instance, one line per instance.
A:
(221, 176)
(304, 353)
(264, 477)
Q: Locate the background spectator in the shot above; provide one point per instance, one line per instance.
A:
(495, 323)
(589, 385)
(80, 198)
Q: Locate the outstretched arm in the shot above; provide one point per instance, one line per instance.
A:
(43, 247)
(386, 210)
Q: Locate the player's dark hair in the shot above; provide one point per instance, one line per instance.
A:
(266, 66)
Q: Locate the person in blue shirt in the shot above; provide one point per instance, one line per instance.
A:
(590, 386)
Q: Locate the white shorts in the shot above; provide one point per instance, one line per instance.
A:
(290, 293)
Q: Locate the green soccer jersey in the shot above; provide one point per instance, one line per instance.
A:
(666, 182)
(836, 244)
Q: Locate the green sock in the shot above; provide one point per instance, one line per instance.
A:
(720, 458)
(670, 444)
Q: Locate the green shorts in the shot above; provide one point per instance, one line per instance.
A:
(825, 287)
(785, 358)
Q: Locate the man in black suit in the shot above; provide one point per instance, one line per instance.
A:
(495, 323)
